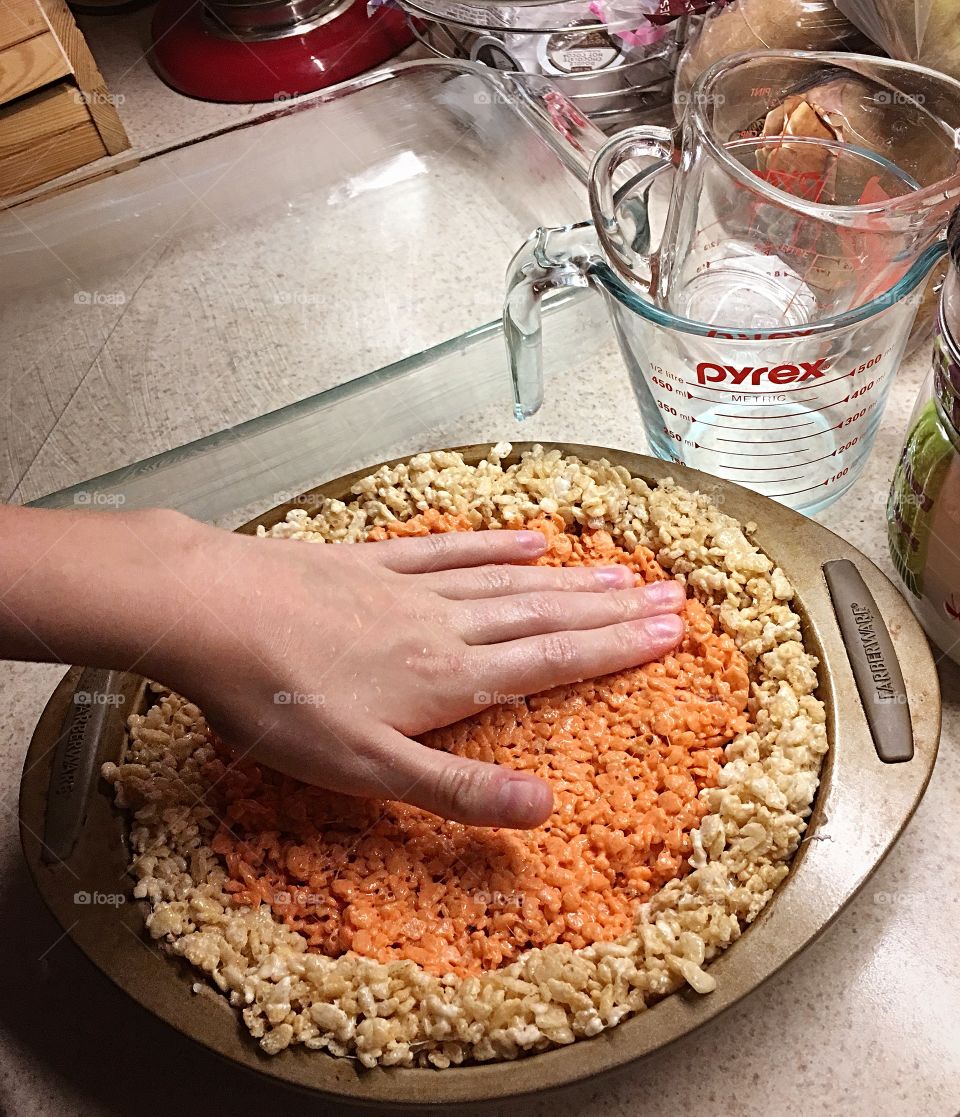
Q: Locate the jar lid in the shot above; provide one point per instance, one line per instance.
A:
(946, 378)
(580, 50)
(953, 238)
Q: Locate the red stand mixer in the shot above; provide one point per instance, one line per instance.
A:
(268, 50)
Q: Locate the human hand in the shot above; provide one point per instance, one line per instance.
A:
(324, 661)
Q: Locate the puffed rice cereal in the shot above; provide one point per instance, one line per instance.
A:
(752, 808)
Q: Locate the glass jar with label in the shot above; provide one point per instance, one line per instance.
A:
(923, 510)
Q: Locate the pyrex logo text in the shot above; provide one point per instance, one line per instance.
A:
(710, 373)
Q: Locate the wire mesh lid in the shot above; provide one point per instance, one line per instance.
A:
(950, 314)
(641, 17)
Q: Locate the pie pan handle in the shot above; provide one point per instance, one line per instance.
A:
(873, 660)
(94, 704)
(75, 760)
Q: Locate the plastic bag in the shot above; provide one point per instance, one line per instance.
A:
(924, 31)
(759, 25)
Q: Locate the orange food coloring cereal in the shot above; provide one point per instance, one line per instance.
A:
(626, 756)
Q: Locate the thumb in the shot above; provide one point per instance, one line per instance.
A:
(468, 791)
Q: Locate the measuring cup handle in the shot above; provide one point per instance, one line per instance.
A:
(549, 259)
(648, 142)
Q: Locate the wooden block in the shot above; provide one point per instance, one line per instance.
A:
(39, 116)
(53, 156)
(19, 20)
(31, 64)
(89, 78)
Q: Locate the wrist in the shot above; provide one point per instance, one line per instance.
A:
(157, 620)
(96, 588)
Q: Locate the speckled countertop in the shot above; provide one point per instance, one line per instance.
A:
(865, 1022)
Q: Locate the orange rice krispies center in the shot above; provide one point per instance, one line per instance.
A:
(626, 756)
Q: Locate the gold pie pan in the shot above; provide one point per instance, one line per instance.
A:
(75, 842)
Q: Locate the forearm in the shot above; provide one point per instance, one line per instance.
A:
(97, 588)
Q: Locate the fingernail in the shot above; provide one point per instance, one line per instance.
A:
(524, 803)
(668, 594)
(533, 541)
(667, 628)
(615, 577)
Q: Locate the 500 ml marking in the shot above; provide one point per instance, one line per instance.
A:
(874, 360)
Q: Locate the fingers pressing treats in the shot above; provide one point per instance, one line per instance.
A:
(540, 662)
(467, 791)
(500, 581)
(532, 614)
(452, 550)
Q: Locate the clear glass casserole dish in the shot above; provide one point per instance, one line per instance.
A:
(216, 282)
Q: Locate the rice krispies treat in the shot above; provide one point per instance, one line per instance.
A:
(396, 1014)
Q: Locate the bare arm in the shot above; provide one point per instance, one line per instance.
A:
(385, 640)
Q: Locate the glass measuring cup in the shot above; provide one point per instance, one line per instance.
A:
(844, 166)
(905, 114)
(739, 253)
(791, 412)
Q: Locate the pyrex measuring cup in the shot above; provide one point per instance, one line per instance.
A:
(789, 411)
(776, 233)
(842, 168)
(903, 113)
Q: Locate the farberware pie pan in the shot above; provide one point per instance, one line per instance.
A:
(880, 689)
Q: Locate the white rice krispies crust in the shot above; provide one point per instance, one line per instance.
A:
(396, 1014)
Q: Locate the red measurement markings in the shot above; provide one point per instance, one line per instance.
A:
(739, 453)
(791, 465)
(764, 418)
(738, 389)
(796, 492)
(706, 399)
(730, 427)
(848, 422)
(780, 389)
(765, 469)
(766, 480)
(819, 485)
(796, 438)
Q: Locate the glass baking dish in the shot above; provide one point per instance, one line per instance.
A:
(454, 393)
(218, 282)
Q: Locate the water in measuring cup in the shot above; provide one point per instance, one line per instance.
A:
(749, 292)
(796, 426)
